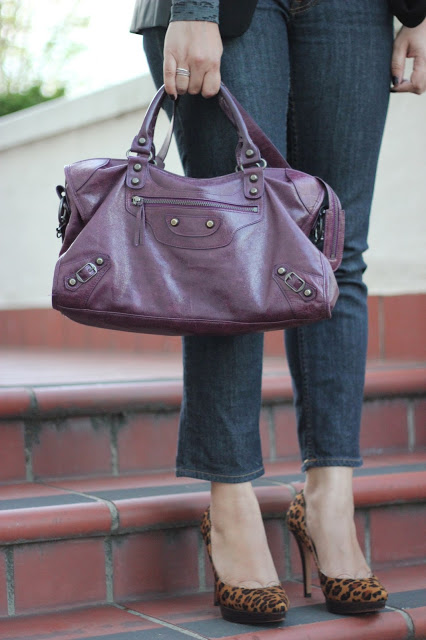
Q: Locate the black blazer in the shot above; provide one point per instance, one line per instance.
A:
(409, 12)
(235, 15)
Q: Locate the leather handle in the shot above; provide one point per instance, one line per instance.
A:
(268, 150)
(247, 152)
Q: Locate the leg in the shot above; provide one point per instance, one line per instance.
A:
(340, 61)
(219, 425)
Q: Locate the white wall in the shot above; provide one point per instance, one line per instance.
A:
(36, 143)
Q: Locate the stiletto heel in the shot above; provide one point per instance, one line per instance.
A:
(305, 557)
(238, 604)
(342, 595)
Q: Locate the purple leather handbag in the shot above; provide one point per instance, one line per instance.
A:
(149, 251)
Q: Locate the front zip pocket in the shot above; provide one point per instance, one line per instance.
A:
(140, 202)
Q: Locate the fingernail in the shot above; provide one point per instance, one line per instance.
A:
(395, 80)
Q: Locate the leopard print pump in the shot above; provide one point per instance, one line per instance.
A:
(342, 595)
(246, 606)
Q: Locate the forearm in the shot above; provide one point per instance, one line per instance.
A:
(207, 10)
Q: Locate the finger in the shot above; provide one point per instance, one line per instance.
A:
(404, 86)
(182, 81)
(399, 55)
(410, 86)
(169, 74)
(418, 76)
(211, 84)
(196, 79)
(417, 82)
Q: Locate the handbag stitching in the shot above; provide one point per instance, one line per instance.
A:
(190, 320)
(152, 170)
(92, 290)
(249, 224)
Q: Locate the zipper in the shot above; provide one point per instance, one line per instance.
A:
(138, 201)
(335, 229)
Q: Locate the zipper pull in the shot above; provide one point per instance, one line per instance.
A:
(140, 220)
(317, 233)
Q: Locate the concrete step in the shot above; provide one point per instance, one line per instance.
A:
(79, 414)
(87, 541)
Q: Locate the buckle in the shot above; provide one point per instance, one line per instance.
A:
(262, 163)
(287, 278)
(91, 271)
(135, 154)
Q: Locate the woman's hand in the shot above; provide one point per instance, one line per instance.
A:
(410, 43)
(194, 45)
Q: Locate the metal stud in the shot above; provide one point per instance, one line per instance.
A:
(135, 180)
(137, 167)
(142, 140)
(72, 281)
(281, 271)
(254, 177)
(249, 153)
(254, 191)
(307, 292)
(210, 224)
(99, 260)
(174, 222)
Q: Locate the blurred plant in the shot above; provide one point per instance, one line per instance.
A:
(27, 79)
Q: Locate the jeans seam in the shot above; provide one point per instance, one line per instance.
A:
(291, 129)
(322, 458)
(221, 475)
(326, 283)
(294, 152)
(297, 11)
(331, 462)
(305, 390)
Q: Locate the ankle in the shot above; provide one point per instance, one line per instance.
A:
(329, 488)
(232, 503)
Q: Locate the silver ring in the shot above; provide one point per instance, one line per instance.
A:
(180, 71)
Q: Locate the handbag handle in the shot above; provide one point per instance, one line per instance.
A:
(247, 152)
(268, 150)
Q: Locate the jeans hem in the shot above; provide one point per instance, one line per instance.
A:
(215, 477)
(310, 463)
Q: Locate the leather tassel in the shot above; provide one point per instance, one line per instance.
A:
(139, 225)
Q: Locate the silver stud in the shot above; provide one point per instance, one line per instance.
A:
(209, 224)
(249, 153)
(254, 191)
(99, 260)
(137, 167)
(307, 292)
(142, 140)
(72, 281)
(281, 271)
(254, 177)
(135, 181)
(174, 222)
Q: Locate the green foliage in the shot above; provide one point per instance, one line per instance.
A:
(28, 76)
(10, 102)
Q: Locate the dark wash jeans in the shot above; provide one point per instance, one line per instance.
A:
(315, 75)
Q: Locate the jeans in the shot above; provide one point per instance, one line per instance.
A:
(315, 75)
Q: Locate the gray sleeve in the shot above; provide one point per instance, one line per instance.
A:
(207, 10)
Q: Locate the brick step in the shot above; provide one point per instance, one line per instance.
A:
(70, 415)
(193, 616)
(388, 319)
(90, 541)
